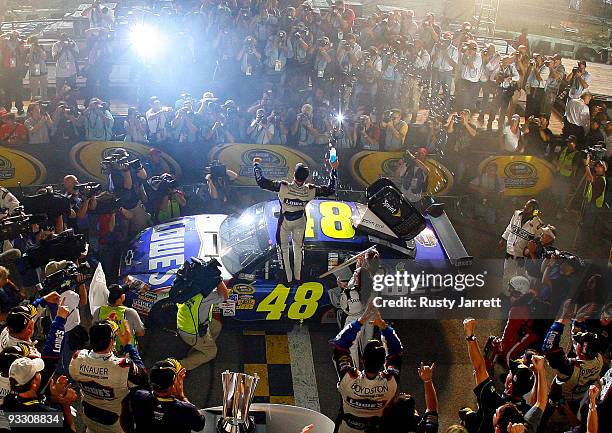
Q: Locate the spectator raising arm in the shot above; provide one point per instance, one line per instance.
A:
(476, 358)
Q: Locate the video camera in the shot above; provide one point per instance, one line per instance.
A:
(65, 246)
(106, 203)
(18, 223)
(48, 203)
(216, 170)
(163, 184)
(88, 189)
(66, 279)
(597, 153)
(195, 277)
(114, 163)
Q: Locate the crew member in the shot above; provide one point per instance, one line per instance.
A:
(524, 224)
(293, 199)
(595, 194)
(365, 393)
(199, 327)
(105, 379)
(355, 297)
(414, 175)
(119, 313)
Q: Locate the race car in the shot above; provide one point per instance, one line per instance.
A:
(245, 245)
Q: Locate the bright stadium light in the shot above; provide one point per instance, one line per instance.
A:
(340, 118)
(147, 41)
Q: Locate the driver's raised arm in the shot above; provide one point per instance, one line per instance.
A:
(330, 188)
(262, 181)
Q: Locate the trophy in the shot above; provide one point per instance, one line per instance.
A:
(238, 392)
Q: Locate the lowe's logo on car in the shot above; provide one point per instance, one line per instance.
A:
(166, 250)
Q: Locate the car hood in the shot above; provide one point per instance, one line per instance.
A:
(158, 252)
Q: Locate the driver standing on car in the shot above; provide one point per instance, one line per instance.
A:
(293, 199)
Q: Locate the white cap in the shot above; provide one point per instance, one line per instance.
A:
(547, 230)
(24, 369)
(520, 284)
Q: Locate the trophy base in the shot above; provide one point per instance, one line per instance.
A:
(225, 426)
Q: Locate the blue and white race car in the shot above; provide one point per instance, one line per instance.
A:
(245, 245)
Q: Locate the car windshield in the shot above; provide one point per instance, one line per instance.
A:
(244, 238)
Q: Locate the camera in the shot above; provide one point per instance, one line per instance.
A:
(66, 279)
(216, 170)
(386, 117)
(65, 246)
(107, 203)
(323, 42)
(282, 35)
(18, 223)
(118, 163)
(163, 184)
(48, 203)
(88, 189)
(597, 153)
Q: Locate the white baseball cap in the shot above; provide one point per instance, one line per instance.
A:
(520, 284)
(24, 369)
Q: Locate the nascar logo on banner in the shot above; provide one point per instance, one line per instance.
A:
(277, 161)
(19, 168)
(369, 166)
(86, 156)
(521, 175)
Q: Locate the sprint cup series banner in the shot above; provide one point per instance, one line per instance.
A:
(277, 162)
(368, 166)
(521, 175)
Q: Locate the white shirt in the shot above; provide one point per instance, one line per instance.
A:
(443, 65)
(517, 235)
(574, 91)
(6, 340)
(156, 124)
(5, 388)
(491, 68)
(511, 140)
(471, 73)
(577, 112)
(511, 71)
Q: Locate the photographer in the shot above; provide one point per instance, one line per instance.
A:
(461, 132)
(508, 81)
(65, 52)
(155, 165)
(429, 32)
(12, 69)
(579, 80)
(249, 58)
(38, 125)
(567, 166)
(395, 130)
(511, 140)
(595, 196)
(366, 134)
(64, 130)
(322, 59)
(156, 117)
(37, 68)
(538, 137)
(348, 54)
(260, 132)
(278, 49)
(218, 179)
(536, 82)
(182, 127)
(491, 62)
(97, 121)
(555, 78)
(370, 72)
(125, 179)
(445, 58)
(303, 129)
(415, 79)
(535, 253)
(80, 202)
(135, 126)
(488, 188)
(12, 132)
(302, 40)
(165, 200)
(470, 68)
